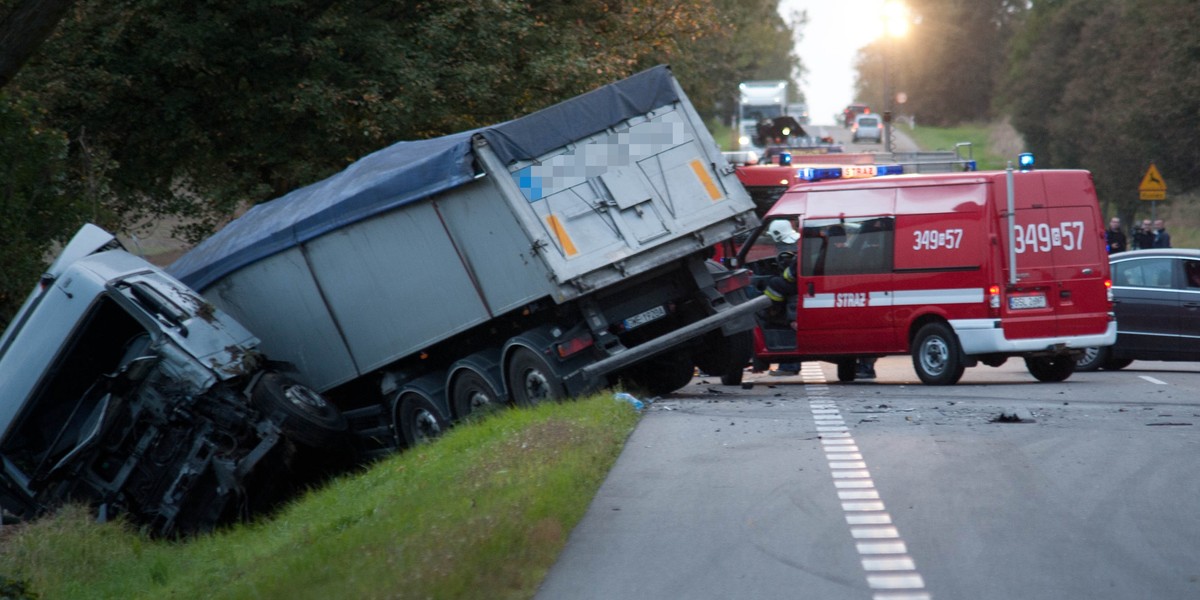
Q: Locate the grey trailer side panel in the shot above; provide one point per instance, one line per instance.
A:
(493, 247)
(308, 338)
(395, 284)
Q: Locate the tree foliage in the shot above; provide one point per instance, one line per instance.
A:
(196, 109)
(38, 203)
(1110, 87)
(948, 63)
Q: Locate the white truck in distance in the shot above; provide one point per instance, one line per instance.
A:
(543, 257)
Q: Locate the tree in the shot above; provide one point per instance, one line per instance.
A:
(948, 63)
(1110, 87)
(204, 107)
(23, 28)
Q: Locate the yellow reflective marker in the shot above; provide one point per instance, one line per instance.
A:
(560, 232)
(713, 191)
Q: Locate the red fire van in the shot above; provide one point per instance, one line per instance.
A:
(924, 265)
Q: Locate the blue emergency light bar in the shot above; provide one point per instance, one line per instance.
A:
(1025, 161)
(847, 172)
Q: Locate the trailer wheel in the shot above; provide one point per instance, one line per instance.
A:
(726, 356)
(1092, 359)
(662, 375)
(531, 380)
(418, 420)
(470, 394)
(1050, 368)
(935, 354)
(304, 416)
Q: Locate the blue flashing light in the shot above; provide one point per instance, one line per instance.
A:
(1025, 161)
(785, 159)
(818, 173)
(970, 166)
(889, 170)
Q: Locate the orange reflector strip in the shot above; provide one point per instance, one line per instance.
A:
(709, 184)
(563, 239)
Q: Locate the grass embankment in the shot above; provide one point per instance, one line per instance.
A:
(481, 513)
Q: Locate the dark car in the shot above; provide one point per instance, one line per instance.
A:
(1156, 297)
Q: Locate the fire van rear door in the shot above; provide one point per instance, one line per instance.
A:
(1061, 264)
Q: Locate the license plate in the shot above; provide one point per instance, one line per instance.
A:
(1020, 302)
(640, 319)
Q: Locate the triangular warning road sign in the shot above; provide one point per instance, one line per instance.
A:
(1153, 181)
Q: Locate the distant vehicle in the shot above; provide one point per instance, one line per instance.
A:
(758, 101)
(852, 111)
(1157, 303)
(798, 111)
(867, 127)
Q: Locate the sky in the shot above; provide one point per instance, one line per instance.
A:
(835, 31)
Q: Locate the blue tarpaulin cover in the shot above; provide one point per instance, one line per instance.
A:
(411, 171)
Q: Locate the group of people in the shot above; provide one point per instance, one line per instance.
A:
(1145, 236)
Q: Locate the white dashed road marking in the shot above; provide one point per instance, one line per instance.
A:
(1153, 380)
(891, 573)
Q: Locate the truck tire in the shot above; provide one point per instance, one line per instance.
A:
(1092, 359)
(470, 394)
(662, 375)
(304, 416)
(531, 380)
(726, 357)
(935, 354)
(1050, 369)
(418, 421)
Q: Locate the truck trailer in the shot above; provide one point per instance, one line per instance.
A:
(547, 256)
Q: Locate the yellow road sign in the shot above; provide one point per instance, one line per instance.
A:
(1153, 187)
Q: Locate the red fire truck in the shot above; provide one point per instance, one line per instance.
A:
(950, 268)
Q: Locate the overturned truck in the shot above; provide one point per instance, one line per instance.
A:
(123, 389)
(543, 257)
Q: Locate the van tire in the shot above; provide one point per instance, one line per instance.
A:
(531, 380)
(1050, 369)
(937, 356)
(303, 415)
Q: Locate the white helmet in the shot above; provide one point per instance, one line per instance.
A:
(781, 231)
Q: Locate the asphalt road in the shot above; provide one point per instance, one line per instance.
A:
(798, 488)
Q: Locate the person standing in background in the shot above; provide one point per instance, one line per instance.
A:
(1162, 239)
(1143, 237)
(1114, 237)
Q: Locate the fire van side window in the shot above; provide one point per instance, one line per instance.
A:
(857, 246)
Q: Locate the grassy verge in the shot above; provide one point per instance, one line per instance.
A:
(481, 513)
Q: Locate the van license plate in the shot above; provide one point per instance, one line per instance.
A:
(640, 319)
(1020, 302)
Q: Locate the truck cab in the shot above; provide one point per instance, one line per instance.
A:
(123, 389)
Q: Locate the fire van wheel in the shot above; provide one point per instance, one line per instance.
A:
(1050, 368)
(304, 416)
(418, 420)
(472, 395)
(935, 355)
(531, 380)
